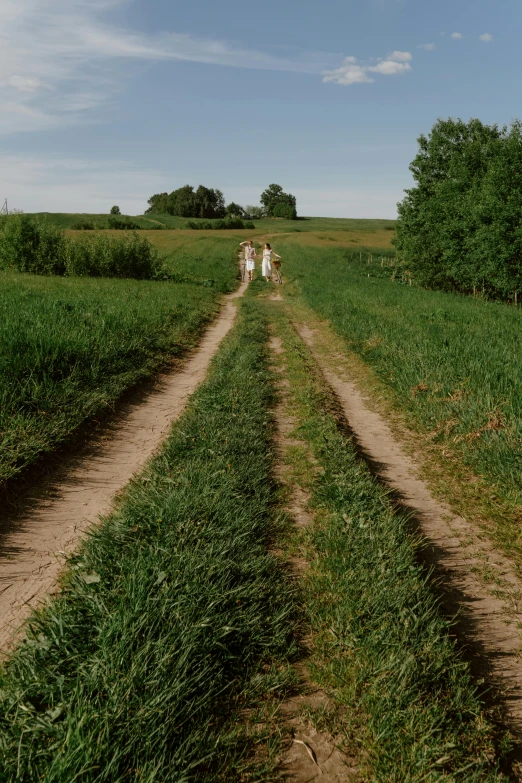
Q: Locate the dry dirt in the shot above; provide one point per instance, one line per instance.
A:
(37, 537)
(468, 566)
(311, 754)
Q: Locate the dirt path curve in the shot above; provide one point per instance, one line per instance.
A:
(477, 581)
(37, 538)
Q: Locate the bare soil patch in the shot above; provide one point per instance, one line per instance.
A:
(477, 582)
(38, 535)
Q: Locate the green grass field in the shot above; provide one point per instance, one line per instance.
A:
(172, 647)
(67, 220)
(451, 363)
(70, 346)
(381, 648)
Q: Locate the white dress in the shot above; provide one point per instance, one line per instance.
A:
(250, 255)
(266, 270)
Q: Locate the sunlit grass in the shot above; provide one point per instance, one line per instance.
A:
(70, 346)
(175, 626)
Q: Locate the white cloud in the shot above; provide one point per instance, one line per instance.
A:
(428, 47)
(486, 37)
(24, 84)
(457, 35)
(60, 58)
(352, 72)
(348, 73)
(401, 57)
(390, 68)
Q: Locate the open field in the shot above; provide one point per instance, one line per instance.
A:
(70, 346)
(452, 363)
(174, 620)
(67, 220)
(188, 615)
(380, 645)
(169, 650)
(308, 231)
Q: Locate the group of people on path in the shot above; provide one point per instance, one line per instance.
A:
(271, 266)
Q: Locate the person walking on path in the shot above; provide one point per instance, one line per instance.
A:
(250, 254)
(268, 257)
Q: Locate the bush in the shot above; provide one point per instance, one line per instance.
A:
(85, 226)
(284, 210)
(218, 225)
(31, 245)
(123, 223)
(103, 256)
(115, 210)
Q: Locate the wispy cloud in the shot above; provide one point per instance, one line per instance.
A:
(428, 47)
(60, 58)
(351, 71)
(486, 37)
(457, 36)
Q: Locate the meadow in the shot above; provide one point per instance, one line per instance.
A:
(368, 229)
(169, 652)
(379, 644)
(451, 363)
(174, 621)
(70, 346)
(181, 625)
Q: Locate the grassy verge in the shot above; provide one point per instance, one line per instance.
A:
(174, 623)
(451, 364)
(381, 648)
(69, 347)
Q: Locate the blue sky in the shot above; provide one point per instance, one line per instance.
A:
(106, 102)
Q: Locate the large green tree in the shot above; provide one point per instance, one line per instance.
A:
(274, 196)
(235, 210)
(187, 202)
(436, 231)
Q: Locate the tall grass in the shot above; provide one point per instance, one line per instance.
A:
(70, 346)
(453, 363)
(202, 259)
(30, 245)
(380, 645)
(174, 623)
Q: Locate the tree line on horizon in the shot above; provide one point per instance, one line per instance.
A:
(210, 203)
(460, 226)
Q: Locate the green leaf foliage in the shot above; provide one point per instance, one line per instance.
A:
(28, 244)
(274, 197)
(187, 202)
(460, 225)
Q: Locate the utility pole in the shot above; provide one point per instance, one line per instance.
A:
(4, 210)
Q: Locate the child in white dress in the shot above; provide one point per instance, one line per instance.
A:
(250, 254)
(268, 257)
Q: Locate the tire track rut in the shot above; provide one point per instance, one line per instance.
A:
(38, 536)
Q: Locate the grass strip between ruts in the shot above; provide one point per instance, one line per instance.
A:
(380, 644)
(174, 620)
